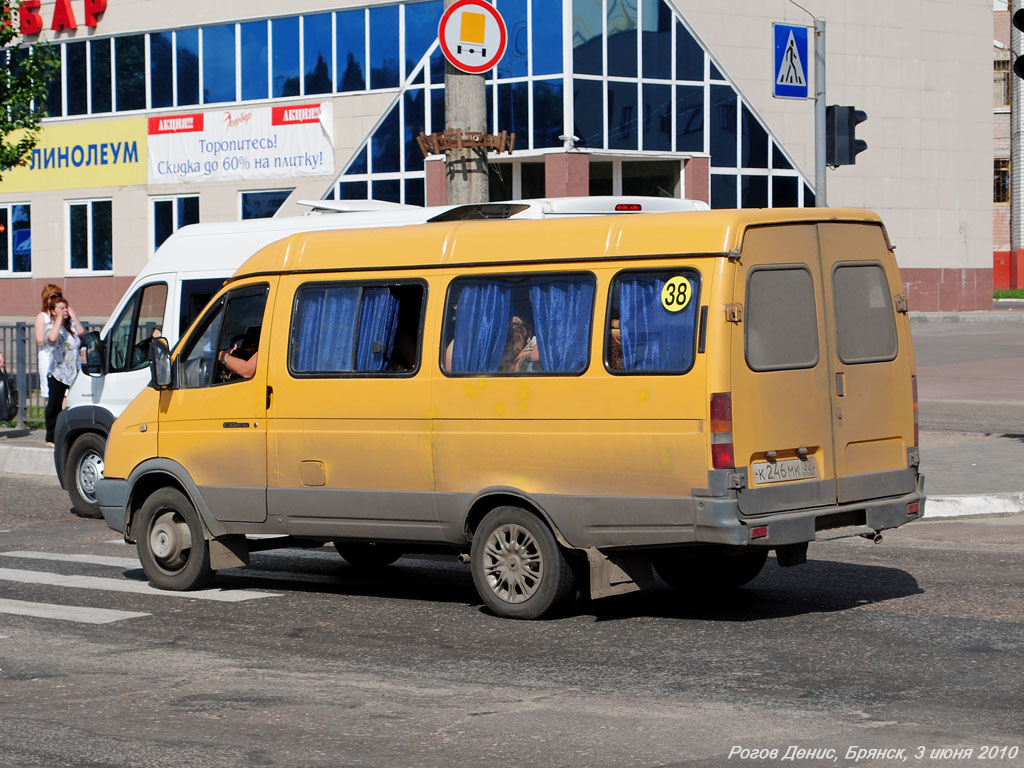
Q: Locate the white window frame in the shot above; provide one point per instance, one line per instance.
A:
(88, 271)
(174, 220)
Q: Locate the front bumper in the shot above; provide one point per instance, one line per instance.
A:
(112, 496)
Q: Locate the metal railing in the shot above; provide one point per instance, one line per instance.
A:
(18, 344)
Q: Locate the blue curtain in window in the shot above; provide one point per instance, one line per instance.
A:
(325, 322)
(653, 339)
(561, 313)
(378, 321)
(481, 327)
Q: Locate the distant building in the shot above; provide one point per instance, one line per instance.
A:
(170, 113)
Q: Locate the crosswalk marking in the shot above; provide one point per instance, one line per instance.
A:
(117, 562)
(126, 585)
(66, 612)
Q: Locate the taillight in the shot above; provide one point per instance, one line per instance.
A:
(721, 431)
(628, 207)
(913, 384)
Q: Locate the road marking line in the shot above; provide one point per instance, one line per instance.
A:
(126, 585)
(66, 612)
(117, 562)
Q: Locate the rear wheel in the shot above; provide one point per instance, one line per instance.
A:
(170, 542)
(711, 569)
(83, 469)
(519, 570)
(369, 554)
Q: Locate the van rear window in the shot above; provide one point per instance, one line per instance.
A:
(651, 321)
(865, 323)
(781, 326)
(510, 325)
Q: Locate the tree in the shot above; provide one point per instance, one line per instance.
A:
(25, 73)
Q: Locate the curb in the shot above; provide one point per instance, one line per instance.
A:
(27, 460)
(967, 506)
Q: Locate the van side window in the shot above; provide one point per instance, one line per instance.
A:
(141, 320)
(865, 323)
(355, 328)
(516, 325)
(651, 321)
(780, 323)
(232, 324)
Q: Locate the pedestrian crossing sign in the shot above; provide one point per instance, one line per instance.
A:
(790, 76)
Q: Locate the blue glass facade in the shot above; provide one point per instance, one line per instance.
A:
(628, 79)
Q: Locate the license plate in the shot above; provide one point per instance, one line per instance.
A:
(784, 470)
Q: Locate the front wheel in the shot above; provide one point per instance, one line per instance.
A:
(169, 539)
(709, 569)
(519, 570)
(83, 470)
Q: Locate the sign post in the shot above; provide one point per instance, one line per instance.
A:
(473, 37)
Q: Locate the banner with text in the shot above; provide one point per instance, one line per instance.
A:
(265, 143)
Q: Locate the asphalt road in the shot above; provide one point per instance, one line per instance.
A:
(916, 643)
(971, 377)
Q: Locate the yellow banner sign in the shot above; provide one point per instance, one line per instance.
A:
(102, 153)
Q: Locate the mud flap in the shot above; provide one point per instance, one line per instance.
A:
(617, 573)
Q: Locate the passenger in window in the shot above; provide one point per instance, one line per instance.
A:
(520, 354)
(615, 362)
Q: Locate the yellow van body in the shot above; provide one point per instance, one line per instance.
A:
(794, 421)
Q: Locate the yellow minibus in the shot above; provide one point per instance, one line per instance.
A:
(567, 404)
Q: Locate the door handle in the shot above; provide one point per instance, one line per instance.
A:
(840, 384)
(236, 425)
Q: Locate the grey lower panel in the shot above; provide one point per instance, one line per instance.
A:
(876, 485)
(112, 497)
(594, 521)
(236, 504)
(359, 514)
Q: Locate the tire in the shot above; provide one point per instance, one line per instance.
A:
(369, 554)
(83, 468)
(709, 569)
(519, 570)
(169, 538)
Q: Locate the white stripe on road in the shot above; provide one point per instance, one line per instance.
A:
(66, 612)
(117, 562)
(126, 585)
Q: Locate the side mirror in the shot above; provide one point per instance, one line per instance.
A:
(159, 364)
(93, 365)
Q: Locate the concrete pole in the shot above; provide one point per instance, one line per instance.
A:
(820, 196)
(465, 107)
(1016, 150)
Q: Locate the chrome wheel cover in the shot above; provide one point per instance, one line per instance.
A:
(512, 563)
(90, 470)
(170, 541)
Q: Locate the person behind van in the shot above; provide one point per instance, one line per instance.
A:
(43, 352)
(63, 345)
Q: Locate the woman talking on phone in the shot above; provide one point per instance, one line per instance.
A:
(64, 344)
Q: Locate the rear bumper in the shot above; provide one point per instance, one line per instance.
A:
(719, 521)
(112, 496)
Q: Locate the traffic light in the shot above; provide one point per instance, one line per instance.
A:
(1018, 22)
(841, 143)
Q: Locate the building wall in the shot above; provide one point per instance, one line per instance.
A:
(927, 171)
(920, 70)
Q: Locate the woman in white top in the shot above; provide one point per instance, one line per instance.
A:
(43, 355)
(64, 347)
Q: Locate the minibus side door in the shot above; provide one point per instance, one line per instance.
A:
(213, 420)
(781, 412)
(871, 365)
